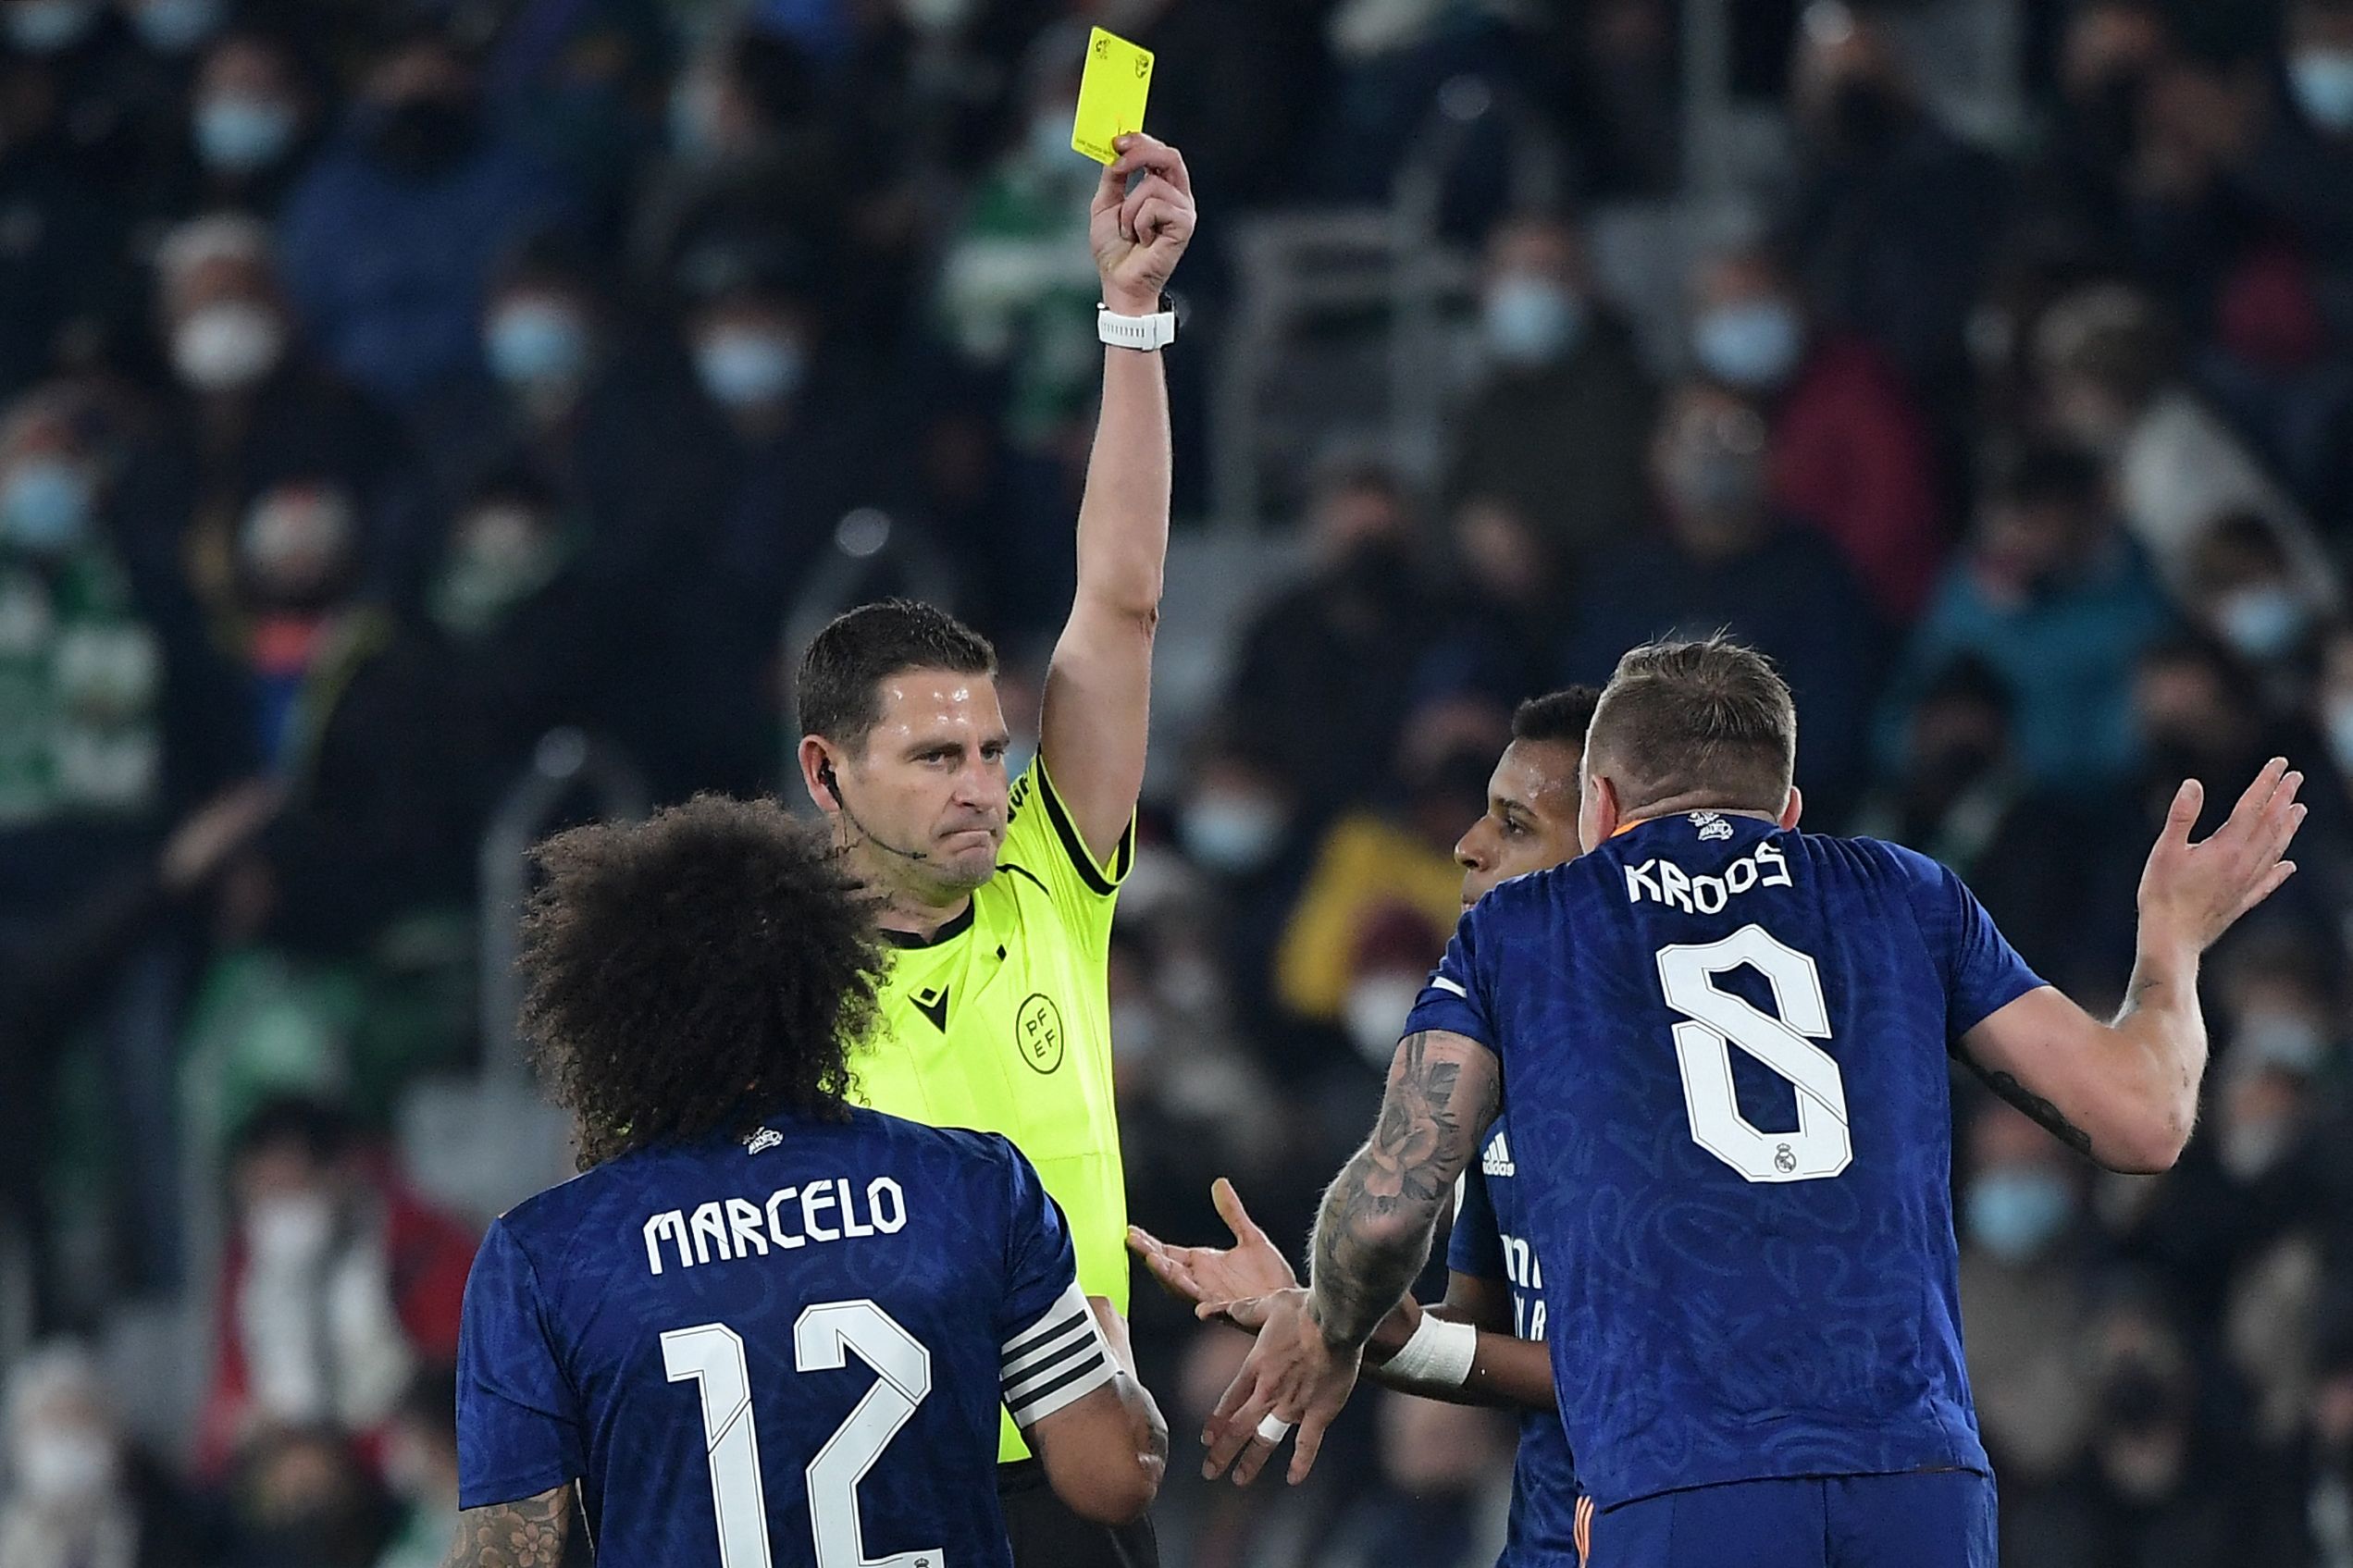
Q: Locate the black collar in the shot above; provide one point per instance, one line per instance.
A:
(948, 932)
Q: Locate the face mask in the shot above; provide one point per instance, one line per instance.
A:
(1529, 321)
(239, 135)
(290, 1230)
(694, 117)
(1715, 481)
(1135, 1030)
(935, 16)
(2261, 623)
(295, 547)
(65, 1465)
(1375, 1013)
(1755, 347)
(2280, 1040)
(504, 557)
(1049, 142)
(2250, 1150)
(2322, 83)
(2336, 719)
(534, 343)
(45, 505)
(47, 26)
(1232, 834)
(2016, 1213)
(742, 368)
(228, 346)
(174, 27)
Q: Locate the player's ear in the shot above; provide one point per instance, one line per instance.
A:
(1597, 812)
(1792, 808)
(817, 765)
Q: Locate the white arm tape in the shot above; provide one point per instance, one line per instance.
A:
(1440, 1353)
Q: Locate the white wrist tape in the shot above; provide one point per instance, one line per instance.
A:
(1440, 1352)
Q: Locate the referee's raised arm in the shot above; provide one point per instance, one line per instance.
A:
(1098, 687)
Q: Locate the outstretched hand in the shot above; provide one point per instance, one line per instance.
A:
(1139, 235)
(1210, 1279)
(2195, 892)
(1293, 1374)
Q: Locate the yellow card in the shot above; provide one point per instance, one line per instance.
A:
(1110, 94)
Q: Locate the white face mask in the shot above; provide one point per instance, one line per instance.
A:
(1375, 1014)
(64, 1465)
(290, 1230)
(228, 347)
(1231, 832)
(935, 16)
(2249, 1149)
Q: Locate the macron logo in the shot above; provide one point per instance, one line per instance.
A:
(1496, 1160)
(1712, 826)
(762, 1141)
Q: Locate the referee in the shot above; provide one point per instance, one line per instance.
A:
(997, 894)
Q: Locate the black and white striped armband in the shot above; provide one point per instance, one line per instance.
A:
(1056, 1361)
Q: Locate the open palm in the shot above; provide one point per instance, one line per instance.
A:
(1213, 1278)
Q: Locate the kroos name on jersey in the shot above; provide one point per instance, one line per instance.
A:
(741, 1228)
(1663, 881)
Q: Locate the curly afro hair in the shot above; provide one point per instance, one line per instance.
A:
(695, 974)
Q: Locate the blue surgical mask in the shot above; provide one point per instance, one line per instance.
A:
(175, 27)
(2322, 82)
(533, 342)
(1753, 347)
(45, 505)
(2015, 1215)
(1049, 141)
(47, 26)
(2337, 722)
(2261, 623)
(239, 135)
(1531, 321)
(743, 368)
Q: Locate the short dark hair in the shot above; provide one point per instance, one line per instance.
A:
(1561, 717)
(1710, 721)
(695, 974)
(838, 691)
(323, 1131)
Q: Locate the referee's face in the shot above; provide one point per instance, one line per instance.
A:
(931, 784)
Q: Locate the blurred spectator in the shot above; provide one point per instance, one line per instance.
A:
(2247, 596)
(1850, 451)
(420, 1468)
(1505, 608)
(2021, 1225)
(389, 238)
(338, 1284)
(1557, 427)
(2112, 381)
(2275, 373)
(2151, 1464)
(251, 410)
(1891, 215)
(580, 82)
(81, 1494)
(1313, 683)
(252, 117)
(2329, 1502)
(2052, 596)
(62, 269)
(1725, 560)
(303, 1499)
(1381, 879)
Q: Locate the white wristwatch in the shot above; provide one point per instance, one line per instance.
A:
(1144, 332)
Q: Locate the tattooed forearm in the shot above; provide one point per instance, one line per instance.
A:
(1373, 1232)
(530, 1534)
(2053, 1120)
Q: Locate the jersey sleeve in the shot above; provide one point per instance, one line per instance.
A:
(518, 1425)
(1475, 1246)
(1982, 972)
(1456, 997)
(1051, 1349)
(1043, 843)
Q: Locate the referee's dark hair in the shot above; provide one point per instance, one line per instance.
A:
(838, 691)
(1558, 717)
(1710, 722)
(693, 975)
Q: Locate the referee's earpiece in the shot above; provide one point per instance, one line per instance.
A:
(833, 788)
(825, 777)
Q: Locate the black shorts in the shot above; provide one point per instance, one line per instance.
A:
(1046, 1534)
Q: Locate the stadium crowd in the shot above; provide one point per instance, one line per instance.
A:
(384, 383)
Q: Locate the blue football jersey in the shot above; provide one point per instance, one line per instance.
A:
(1489, 1242)
(789, 1349)
(1724, 1051)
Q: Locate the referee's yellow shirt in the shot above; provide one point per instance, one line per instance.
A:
(1001, 1021)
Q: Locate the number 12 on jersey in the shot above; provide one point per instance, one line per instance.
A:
(1715, 1021)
